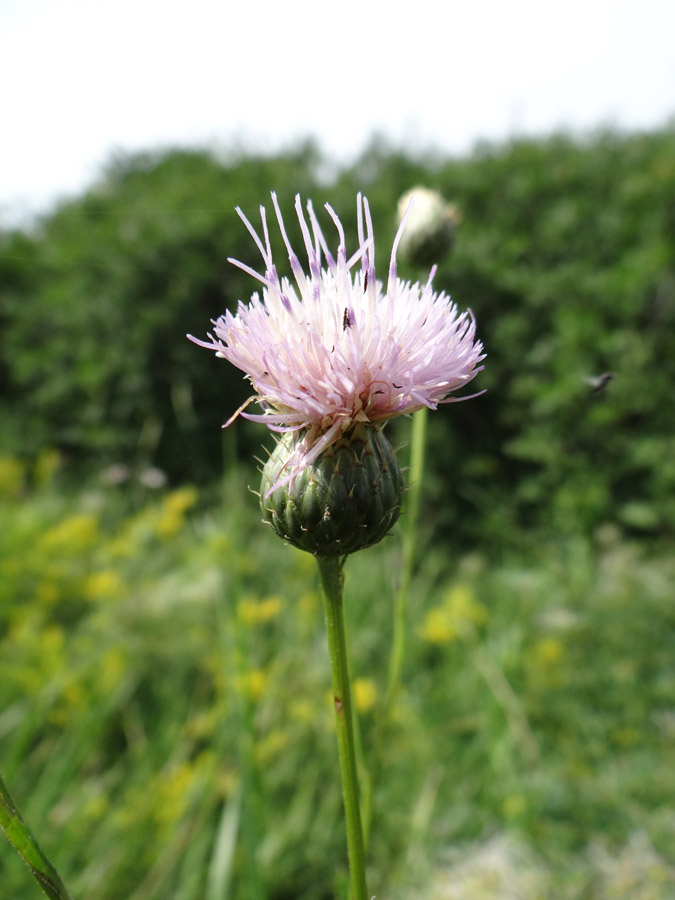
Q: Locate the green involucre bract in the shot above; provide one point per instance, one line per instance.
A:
(346, 500)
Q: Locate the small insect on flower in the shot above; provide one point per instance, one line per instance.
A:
(338, 348)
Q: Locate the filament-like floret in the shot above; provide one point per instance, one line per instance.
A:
(336, 349)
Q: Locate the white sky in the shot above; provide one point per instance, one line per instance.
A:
(82, 78)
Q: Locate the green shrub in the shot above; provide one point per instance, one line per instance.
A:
(565, 253)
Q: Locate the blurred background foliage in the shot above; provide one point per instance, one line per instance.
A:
(165, 713)
(565, 252)
(166, 720)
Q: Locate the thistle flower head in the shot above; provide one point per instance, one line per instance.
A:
(335, 347)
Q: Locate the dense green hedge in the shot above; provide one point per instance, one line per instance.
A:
(566, 254)
(100, 296)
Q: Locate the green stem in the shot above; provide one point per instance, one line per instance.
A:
(330, 570)
(19, 836)
(418, 441)
(409, 540)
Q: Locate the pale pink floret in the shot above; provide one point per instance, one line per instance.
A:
(337, 348)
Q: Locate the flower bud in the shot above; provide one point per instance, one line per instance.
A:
(346, 500)
(430, 227)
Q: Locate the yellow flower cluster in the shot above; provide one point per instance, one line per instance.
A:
(172, 790)
(251, 684)
(252, 611)
(174, 507)
(457, 617)
(72, 535)
(365, 694)
(547, 653)
(103, 585)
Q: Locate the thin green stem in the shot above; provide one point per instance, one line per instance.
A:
(417, 446)
(20, 837)
(401, 599)
(330, 570)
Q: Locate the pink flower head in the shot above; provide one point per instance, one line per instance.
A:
(337, 348)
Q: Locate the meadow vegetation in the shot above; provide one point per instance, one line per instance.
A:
(165, 709)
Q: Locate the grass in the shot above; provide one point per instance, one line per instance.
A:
(166, 725)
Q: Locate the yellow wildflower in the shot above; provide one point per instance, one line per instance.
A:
(174, 507)
(70, 536)
(256, 612)
(463, 606)
(547, 653)
(252, 684)
(171, 792)
(438, 627)
(365, 694)
(457, 617)
(103, 585)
